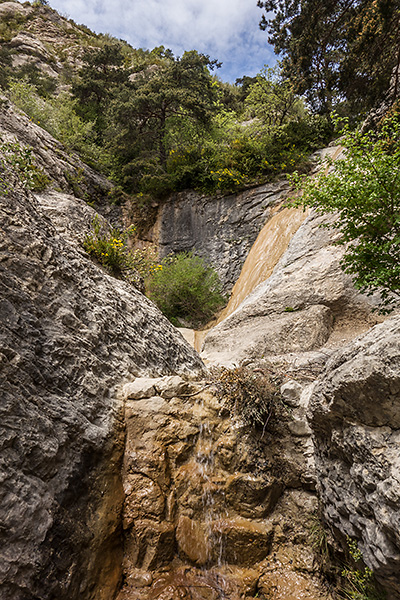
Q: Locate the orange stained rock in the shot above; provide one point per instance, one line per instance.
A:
(271, 243)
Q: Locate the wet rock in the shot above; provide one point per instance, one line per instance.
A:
(227, 504)
(286, 584)
(143, 499)
(150, 545)
(193, 540)
(244, 542)
(306, 301)
(235, 541)
(252, 497)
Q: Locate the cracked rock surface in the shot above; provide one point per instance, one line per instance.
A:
(70, 336)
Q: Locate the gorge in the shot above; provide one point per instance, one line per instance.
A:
(123, 473)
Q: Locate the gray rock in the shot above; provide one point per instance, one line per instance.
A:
(70, 337)
(307, 301)
(221, 229)
(142, 387)
(291, 392)
(64, 169)
(355, 418)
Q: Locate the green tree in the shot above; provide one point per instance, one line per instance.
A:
(335, 49)
(98, 83)
(363, 189)
(271, 99)
(176, 92)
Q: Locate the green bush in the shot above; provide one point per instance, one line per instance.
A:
(186, 290)
(20, 161)
(363, 190)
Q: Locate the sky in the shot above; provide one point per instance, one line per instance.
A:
(227, 30)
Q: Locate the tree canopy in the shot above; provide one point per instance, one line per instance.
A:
(336, 50)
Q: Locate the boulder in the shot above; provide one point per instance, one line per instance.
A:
(355, 418)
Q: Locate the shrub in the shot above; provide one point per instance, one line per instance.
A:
(19, 160)
(364, 190)
(252, 396)
(359, 580)
(186, 289)
(110, 249)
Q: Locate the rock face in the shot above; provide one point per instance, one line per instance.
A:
(355, 417)
(65, 171)
(70, 336)
(210, 504)
(307, 302)
(220, 229)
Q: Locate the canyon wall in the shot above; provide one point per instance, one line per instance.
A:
(70, 336)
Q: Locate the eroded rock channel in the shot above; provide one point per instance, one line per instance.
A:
(212, 509)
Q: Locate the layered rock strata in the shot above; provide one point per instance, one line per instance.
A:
(66, 172)
(220, 229)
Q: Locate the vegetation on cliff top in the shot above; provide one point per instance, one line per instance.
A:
(153, 122)
(364, 190)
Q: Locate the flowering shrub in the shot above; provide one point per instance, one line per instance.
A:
(228, 179)
(108, 248)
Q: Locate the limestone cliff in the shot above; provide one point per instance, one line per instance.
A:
(355, 417)
(221, 229)
(70, 335)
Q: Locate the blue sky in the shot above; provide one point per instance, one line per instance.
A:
(227, 30)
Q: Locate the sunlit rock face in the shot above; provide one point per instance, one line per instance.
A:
(70, 336)
(355, 417)
(214, 508)
(306, 304)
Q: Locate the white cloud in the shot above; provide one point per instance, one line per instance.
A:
(225, 29)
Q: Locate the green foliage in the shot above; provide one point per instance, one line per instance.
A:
(10, 24)
(335, 52)
(186, 290)
(174, 96)
(57, 115)
(318, 537)
(271, 99)
(110, 249)
(252, 396)
(364, 190)
(45, 85)
(359, 580)
(19, 161)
